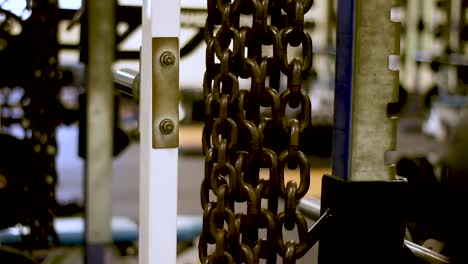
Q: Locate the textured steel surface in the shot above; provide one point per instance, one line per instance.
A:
(374, 87)
(100, 115)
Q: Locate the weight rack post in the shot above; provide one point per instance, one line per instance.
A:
(99, 134)
(365, 85)
(364, 200)
(158, 124)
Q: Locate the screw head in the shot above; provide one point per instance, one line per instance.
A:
(3, 182)
(166, 126)
(167, 58)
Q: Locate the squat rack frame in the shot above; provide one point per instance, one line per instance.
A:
(365, 130)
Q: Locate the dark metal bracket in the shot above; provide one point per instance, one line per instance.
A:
(361, 222)
(368, 223)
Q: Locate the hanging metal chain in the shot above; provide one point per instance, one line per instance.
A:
(239, 138)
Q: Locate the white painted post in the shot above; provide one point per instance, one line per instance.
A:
(158, 166)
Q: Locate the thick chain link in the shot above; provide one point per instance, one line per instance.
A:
(250, 129)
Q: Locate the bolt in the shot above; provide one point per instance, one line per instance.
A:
(37, 148)
(49, 179)
(167, 58)
(3, 182)
(166, 126)
(51, 150)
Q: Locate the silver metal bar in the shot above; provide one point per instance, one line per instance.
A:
(125, 77)
(426, 254)
(99, 134)
(311, 209)
(128, 81)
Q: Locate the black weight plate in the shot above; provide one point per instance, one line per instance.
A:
(17, 177)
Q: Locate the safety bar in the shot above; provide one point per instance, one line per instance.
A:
(311, 209)
(127, 81)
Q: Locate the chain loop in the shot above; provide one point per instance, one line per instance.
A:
(221, 125)
(290, 253)
(290, 206)
(301, 225)
(294, 82)
(240, 166)
(247, 255)
(235, 6)
(203, 248)
(223, 39)
(226, 258)
(304, 166)
(223, 84)
(296, 21)
(220, 244)
(221, 214)
(305, 116)
(283, 39)
(228, 170)
(206, 222)
(259, 22)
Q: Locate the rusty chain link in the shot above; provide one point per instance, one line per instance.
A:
(240, 137)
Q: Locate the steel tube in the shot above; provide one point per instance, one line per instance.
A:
(127, 81)
(373, 133)
(99, 134)
(426, 254)
(310, 208)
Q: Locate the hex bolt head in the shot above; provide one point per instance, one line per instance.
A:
(166, 126)
(167, 59)
(3, 182)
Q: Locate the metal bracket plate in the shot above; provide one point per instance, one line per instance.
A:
(165, 103)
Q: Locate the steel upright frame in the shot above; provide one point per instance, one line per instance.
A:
(365, 198)
(159, 131)
(99, 139)
(365, 85)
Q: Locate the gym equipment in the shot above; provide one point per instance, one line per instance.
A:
(250, 127)
(311, 208)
